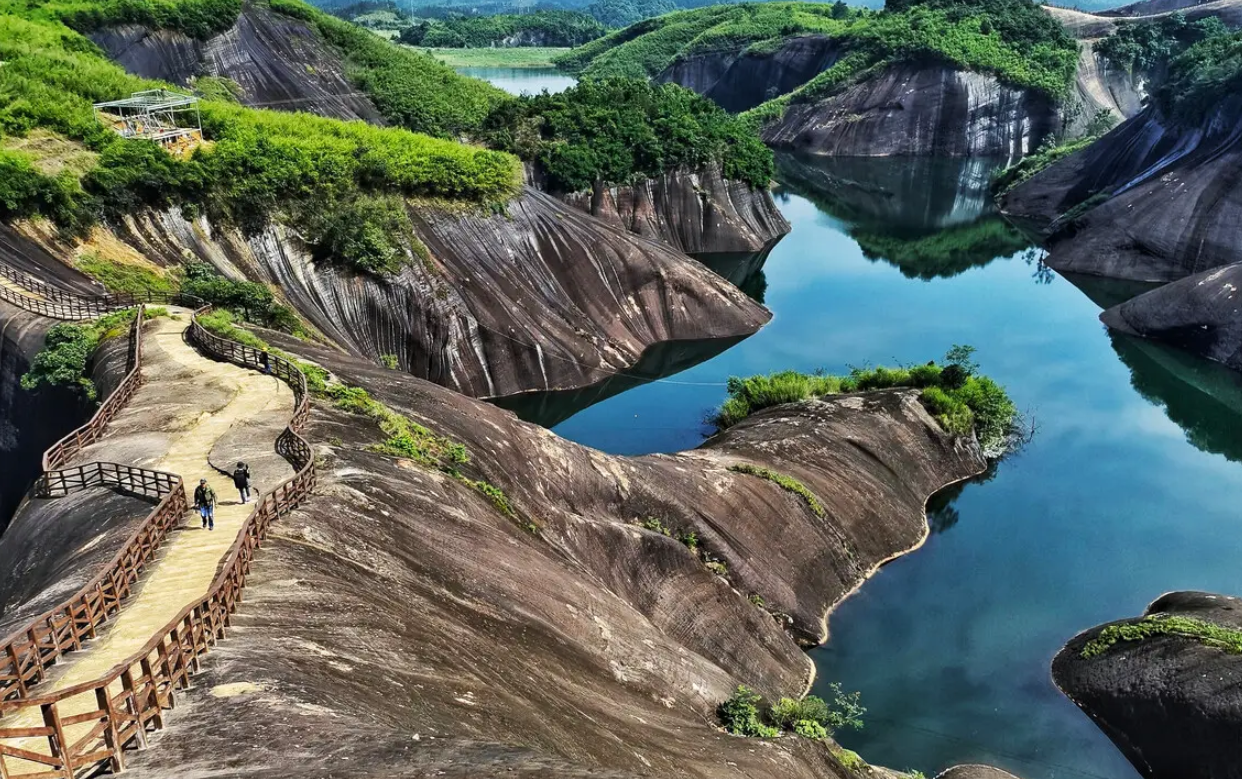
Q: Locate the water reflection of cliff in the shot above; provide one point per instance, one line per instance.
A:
(929, 218)
(1204, 398)
(663, 359)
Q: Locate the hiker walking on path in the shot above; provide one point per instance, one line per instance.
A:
(205, 502)
(241, 480)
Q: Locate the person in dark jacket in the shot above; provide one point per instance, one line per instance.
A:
(205, 502)
(241, 480)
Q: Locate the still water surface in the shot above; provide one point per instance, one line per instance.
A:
(1130, 488)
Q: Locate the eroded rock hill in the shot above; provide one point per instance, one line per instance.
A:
(543, 297)
(284, 64)
(278, 62)
(697, 212)
(1170, 205)
(398, 624)
(919, 109)
(1172, 704)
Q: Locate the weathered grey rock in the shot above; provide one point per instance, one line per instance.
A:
(919, 109)
(542, 297)
(1200, 313)
(1098, 86)
(739, 81)
(696, 212)
(1173, 705)
(278, 61)
(1173, 207)
(398, 624)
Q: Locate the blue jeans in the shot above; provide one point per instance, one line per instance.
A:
(208, 513)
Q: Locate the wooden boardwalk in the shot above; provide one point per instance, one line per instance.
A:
(190, 402)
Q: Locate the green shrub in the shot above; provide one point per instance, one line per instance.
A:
(810, 729)
(389, 361)
(68, 348)
(845, 711)
(221, 322)
(1200, 77)
(1146, 46)
(740, 714)
(367, 235)
(1028, 166)
(254, 302)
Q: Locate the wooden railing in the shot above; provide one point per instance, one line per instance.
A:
(116, 710)
(55, 303)
(26, 654)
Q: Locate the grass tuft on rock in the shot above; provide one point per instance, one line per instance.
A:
(1206, 633)
(785, 482)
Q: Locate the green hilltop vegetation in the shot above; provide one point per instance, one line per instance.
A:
(340, 184)
(257, 166)
(541, 28)
(1201, 77)
(624, 130)
(1012, 39)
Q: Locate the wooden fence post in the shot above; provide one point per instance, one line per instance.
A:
(111, 738)
(17, 669)
(60, 748)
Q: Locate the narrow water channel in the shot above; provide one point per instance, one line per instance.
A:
(1129, 489)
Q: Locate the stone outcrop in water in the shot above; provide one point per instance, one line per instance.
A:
(278, 62)
(398, 624)
(544, 297)
(1200, 313)
(919, 109)
(1172, 704)
(697, 212)
(1168, 202)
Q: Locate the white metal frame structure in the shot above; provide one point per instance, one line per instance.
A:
(155, 115)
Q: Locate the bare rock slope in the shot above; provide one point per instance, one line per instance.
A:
(1170, 703)
(1169, 204)
(399, 624)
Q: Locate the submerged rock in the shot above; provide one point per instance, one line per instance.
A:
(399, 624)
(1172, 704)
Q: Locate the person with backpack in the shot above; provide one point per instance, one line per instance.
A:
(241, 480)
(205, 502)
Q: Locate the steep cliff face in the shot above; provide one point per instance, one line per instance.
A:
(1200, 313)
(919, 109)
(1170, 703)
(1171, 205)
(1098, 86)
(30, 421)
(278, 62)
(543, 297)
(741, 81)
(697, 212)
(399, 625)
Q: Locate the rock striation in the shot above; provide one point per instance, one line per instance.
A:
(919, 109)
(398, 624)
(278, 62)
(1169, 204)
(1170, 703)
(739, 81)
(696, 212)
(543, 297)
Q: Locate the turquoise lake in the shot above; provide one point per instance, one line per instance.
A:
(1128, 490)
